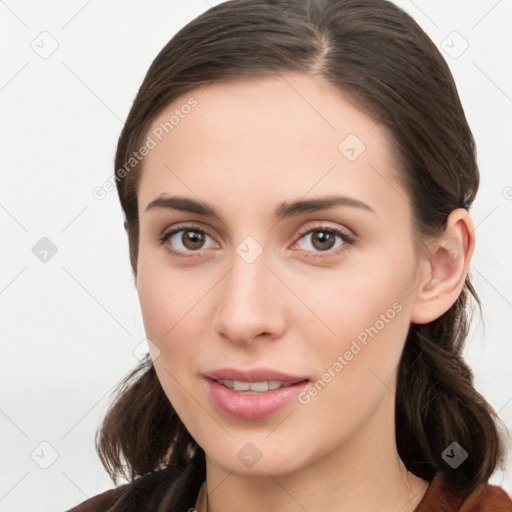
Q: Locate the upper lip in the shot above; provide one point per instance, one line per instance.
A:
(254, 375)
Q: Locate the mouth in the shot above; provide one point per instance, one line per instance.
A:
(253, 394)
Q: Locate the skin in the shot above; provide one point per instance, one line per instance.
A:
(246, 148)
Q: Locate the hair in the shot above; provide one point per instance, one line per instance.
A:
(381, 59)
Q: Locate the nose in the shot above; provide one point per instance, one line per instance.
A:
(249, 303)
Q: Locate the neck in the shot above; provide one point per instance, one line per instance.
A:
(364, 474)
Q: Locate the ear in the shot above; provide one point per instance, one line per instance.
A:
(444, 268)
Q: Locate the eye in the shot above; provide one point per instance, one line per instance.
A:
(186, 240)
(325, 239)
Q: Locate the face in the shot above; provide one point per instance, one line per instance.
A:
(319, 290)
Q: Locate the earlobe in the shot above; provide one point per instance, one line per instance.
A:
(446, 269)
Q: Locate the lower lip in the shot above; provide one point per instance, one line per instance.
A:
(249, 406)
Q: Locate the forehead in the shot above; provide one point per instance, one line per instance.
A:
(261, 136)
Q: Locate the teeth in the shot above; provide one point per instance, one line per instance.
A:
(255, 386)
(259, 387)
(242, 386)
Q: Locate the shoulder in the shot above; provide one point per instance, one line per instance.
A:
(488, 498)
(485, 498)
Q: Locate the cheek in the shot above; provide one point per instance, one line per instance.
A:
(368, 314)
(167, 299)
(175, 320)
(161, 312)
(357, 367)
(168, 322)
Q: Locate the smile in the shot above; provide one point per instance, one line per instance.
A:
(255, 399)
(257, 387)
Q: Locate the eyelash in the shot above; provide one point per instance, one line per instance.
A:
(347, 240)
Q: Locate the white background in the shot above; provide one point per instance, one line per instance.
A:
(70, 326)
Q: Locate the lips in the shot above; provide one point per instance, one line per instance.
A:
(252, 394)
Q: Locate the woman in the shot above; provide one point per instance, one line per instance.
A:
(296, 179)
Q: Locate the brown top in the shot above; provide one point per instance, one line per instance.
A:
(486, 498)
(489, 498)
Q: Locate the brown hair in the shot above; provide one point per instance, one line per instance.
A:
(379, 56)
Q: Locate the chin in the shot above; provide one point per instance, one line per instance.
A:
(258, 459)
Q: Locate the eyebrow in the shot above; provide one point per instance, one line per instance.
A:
(284, 210)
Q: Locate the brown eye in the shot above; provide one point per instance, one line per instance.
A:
(187, 240)
(323, 240)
